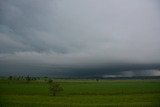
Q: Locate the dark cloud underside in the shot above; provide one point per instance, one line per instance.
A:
(79, 33)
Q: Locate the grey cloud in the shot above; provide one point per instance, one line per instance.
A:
(150, 72)
(79, 32)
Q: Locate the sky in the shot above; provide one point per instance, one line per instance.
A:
(80, 37)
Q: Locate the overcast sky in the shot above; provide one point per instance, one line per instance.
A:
(79, 33)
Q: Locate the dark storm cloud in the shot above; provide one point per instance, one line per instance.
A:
(80, 33)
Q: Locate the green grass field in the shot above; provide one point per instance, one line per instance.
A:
(81, 93)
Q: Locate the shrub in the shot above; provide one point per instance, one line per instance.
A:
(55, 88)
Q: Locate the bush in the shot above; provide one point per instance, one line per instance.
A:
(50, 81)
(55, 88)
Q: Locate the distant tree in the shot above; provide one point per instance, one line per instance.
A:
(97, 79)
(28, 79)
(18, 78)
(38, 78)
(45, 78)
(34, 78)
(55, 88)
(10, 77)
(50, 81)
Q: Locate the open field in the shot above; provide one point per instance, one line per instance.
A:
(81, 93)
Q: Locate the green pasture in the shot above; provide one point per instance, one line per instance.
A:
(81, 93)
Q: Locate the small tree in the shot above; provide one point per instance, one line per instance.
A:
(28, 79)
(97, 79)
(50, 81)
(10, 77)
(55, 88)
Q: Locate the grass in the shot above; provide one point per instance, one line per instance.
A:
(82, 93)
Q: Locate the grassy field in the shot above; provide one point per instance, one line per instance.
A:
(81, 93)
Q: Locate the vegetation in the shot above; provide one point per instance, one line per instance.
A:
(80, 93)
(55, 88)
(50, 81)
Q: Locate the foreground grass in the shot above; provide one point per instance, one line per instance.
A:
(88, 93)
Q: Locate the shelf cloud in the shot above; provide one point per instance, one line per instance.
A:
(80, 34)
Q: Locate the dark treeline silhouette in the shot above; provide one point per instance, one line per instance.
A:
(27, 79)
(96, 78)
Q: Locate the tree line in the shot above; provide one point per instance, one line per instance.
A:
(54, 87)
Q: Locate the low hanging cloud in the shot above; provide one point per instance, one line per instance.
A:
(150, 72)
(79, 32)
